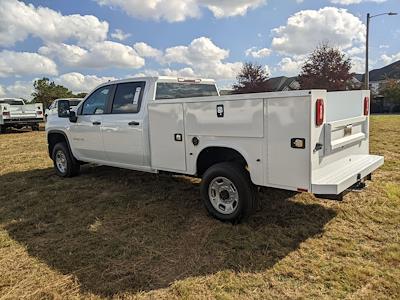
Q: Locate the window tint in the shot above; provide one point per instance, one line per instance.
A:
(74, 102)
(96, 103)
(128, 97)
(167, 90)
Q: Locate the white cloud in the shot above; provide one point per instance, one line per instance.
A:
(19, 20)
(357, 65)
(100, 55)
(349, 2)
(78, 82)
(258, 53)
(388, 59)
(204, 57)
(230, 8)
(119, 35)
(178, 10)
(19, 89)
(306, 29)
(25, 63)
(145, 50)
(291, 66)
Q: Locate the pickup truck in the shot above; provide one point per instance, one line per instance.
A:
(53, 108)
(305, 141)
(15, 113)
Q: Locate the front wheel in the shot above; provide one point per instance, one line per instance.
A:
(228, 192)
(64, 163)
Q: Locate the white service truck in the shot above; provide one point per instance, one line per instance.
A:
(306, 141)
(17, 114)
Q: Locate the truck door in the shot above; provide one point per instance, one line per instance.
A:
(122, 128)
(85, 133)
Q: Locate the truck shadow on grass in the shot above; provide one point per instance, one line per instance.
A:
(123, 231)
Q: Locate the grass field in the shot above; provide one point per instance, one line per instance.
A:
(123, 234)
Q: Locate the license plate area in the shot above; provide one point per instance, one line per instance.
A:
(342, 133)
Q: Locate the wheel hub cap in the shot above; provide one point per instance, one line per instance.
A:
(223, 195)
(61, 161)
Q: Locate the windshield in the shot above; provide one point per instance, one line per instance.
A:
(12, 101)
(171, 90)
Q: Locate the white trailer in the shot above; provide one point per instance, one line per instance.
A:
(306, 141)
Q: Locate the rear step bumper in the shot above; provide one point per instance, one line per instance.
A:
(339, 176)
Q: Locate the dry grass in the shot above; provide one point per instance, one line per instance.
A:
(122, 234)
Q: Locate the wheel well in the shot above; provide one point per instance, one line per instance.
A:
(214, 155)
(53, 139)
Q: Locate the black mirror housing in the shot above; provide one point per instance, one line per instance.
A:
(63, 108)
(73, 118)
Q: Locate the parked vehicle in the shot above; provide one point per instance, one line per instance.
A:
(53, 108)
(15, 113)
(305, 141)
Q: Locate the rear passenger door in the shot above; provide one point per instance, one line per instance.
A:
(122, 127)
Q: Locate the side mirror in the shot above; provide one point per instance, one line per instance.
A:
(63, 109)
(73, 118)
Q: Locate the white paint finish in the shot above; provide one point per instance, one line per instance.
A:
(86, 139)
(344, 105)
(166, 120)
(242, 118)
(336, 136)
(288, 118)
(19, 113)
(123, 143)
(250, 148)
(338, 176)
(258, 126)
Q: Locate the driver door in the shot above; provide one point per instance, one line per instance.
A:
(86, 132)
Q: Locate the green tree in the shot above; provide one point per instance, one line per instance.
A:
(391, 90)
(252, 78)
(326, 68)
(47, 91)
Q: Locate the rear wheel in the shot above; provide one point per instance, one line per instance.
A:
(64, 163)
(35, 127)
(228, 192)
(3, 129)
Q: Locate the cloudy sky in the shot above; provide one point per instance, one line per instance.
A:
(81, 43)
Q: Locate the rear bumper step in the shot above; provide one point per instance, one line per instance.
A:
(339, 176)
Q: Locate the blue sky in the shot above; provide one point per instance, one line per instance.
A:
(81, 43)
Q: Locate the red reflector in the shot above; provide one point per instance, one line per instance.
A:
(366, 106)
(6, 113)
(39, 112)
(302, 190)
(319, 120)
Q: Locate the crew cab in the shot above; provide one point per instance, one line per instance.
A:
(16, 113)
(306, 141)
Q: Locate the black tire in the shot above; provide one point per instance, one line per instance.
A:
(243, 186)
(3, 129)
(72, 166)
(35, 127)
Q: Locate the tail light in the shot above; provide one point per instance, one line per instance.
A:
(366, 106)
(320, 111)
(39, 113)
(6, 113)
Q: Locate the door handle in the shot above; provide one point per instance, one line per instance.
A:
(133, 123)
(96, 123)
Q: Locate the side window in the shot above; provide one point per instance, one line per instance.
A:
(128, 98)
(96, 103)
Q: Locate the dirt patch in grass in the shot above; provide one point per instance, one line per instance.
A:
(124, 234)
